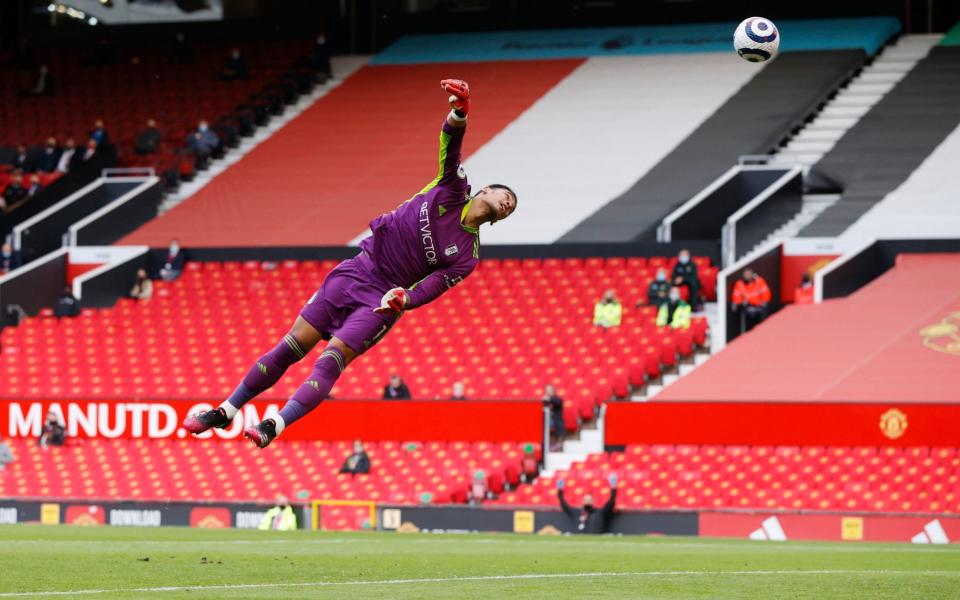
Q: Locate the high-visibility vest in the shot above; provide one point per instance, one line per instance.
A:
(607, 314)
(681, 315)
(755, 292)
(281, 519)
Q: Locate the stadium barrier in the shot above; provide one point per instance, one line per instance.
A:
(757, 526)
(370, 420)
(44, 232)
(120, 217)
(703, 216)
(212, 515)
(780, 424)
(26, 290)
(762, 215)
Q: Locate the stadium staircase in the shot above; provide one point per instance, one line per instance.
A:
(812, 141)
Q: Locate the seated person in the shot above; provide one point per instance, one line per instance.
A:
(458, 391)
(173, 266)
(9, 260)
(358, 462)
(396, 389)
(235, 66)
(142, 286)
(67, 305)
(47, 163)
(658, 290)
(149, 139)
(608, 313)
(15, 191)
(751, 298)
(53, 432)
(675, 312)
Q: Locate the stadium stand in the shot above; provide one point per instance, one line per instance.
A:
(401, 472)
(373, 156)
(752, 121)
(888, 351)
(762, 477)
(147, 84)
(924, 205)
(557, 141)
(252, 307)
(889, 142)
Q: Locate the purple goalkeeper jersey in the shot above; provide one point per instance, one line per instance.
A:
(424, 245)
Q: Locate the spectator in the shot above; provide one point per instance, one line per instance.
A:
(658, 290)
(280, 518)
(203, 143)
(182, 51)
(148, 142)
(675, 312)
(751, 297)
(173, 266)
(89, 152)
(67, 156)
(99, 134)
(53, 432)
(685, 275)
(22, 163)
(6, 456)
(43, 85)
(396, 389)
(15, 191)
(478, 488)
(804, 293)
(235, 66)
(320, 57)
(358, 462)
(67, 305)
(142, 287)
(50, 157)
(35, 186)
(590, 519)
(529, 466)
(555, 403)
(608, 312)
(9, 260)
(458, 391)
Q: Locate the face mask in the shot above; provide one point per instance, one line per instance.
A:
(674, 298)
(203, 127)
(684, 259)
(661, 277)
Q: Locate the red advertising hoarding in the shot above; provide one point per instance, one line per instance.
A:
(374, 420)
(782, 423)
(852, 527)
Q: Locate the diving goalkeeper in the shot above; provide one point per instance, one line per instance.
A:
(424, 247)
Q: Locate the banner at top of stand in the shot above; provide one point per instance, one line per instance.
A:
(868, 33)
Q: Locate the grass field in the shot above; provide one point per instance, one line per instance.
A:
(112, 562)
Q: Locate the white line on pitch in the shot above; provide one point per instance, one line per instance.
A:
(375, 582)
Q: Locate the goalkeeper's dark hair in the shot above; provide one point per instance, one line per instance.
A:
(500, 186)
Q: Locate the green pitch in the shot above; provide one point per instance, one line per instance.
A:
(111, 562)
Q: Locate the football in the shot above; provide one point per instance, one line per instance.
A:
(756, 39)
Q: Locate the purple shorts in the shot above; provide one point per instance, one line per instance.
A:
(343, 306)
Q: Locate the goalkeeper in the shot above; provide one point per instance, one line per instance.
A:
(424, 247)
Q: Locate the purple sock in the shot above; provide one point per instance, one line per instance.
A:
(267, 370)
(315, 389)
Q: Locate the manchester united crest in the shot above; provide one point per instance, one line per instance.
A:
(893, 423)
(943, 336)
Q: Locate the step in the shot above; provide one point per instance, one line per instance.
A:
(826, 122)
(845, 111)
(818, 135)
(868, 88)
(797, 146)
(874, 77)
(853, 100)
